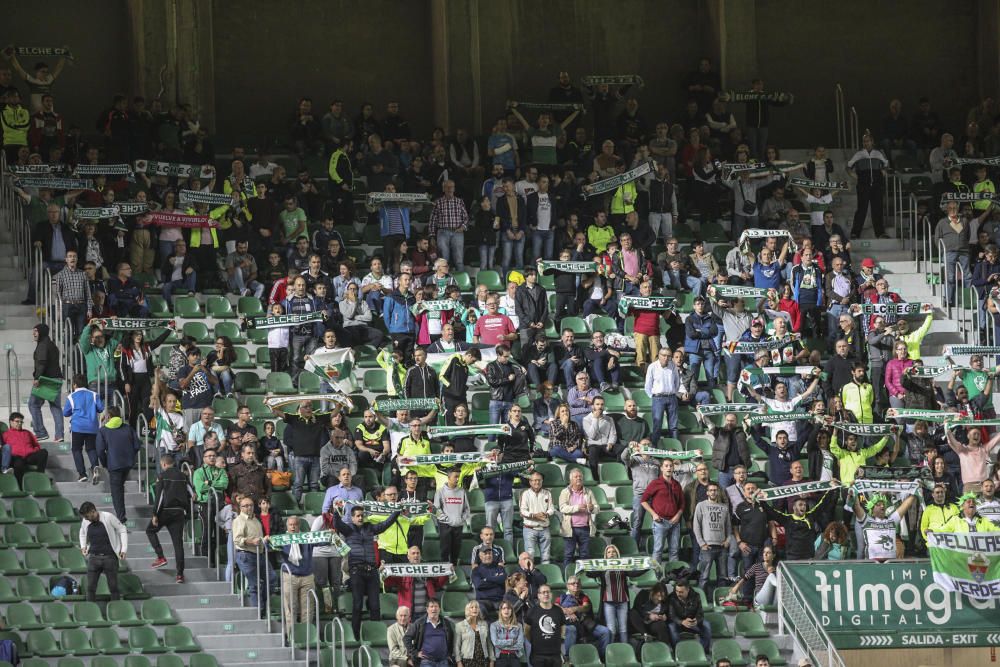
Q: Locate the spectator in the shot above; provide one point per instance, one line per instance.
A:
(664, 500)
(614, 598)
(686, 615)
(488, 580)
(21, 449)
(395, 638)
(304, 435)
(298, 581)
(712, 529)
(663, 386)
(83, 407)
(197, 387)
(170, 511)
(454, 512)
(448, 223)
(46, 365)
(104, 541)
(430, 639)
(578, 507)
(507, 637)
(544, 628)
(249, 478)
(210, 483)
(536, 509)
(117, 446)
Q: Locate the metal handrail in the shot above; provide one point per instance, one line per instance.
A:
(117, 398)
(337, 630)
(959, 293)
(101, 371)
(828, 658)
(142, 430)
(855, 130)
(942, 271)
(838, 103)
(189, 471)
(291, 622)
(13, 388)
(366, 659)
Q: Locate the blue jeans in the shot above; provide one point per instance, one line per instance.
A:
(538, 543)
(734, 364)
(487, 255)
(579, 538)
(187, 283)
(434, 663)
(602, 375)
(714, 554)
(165, 249)
(669, 532)
(247, 562)
(703, 630)
(541, 243)
(306, 474)
(660, 405)
(37, 425)
(638, 516)
(748, 560)
(498, 412)
(602, 637)
(672, 280)
(227, 379)
(237, 284)
(950, 258)
(566, 455)
(374, 300)
(505, 510)
(451, 246)
(512, 250)
(711, 360)
(616, 619)
(725, 480)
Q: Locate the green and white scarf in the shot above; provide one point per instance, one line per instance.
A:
(442, 459)
(774, 417)
(83, 170)
(497, 469)
(546, 267)
(615, 564)
(398, 198)
(668, 454)
(592, 80)
(779, 492)
(749, 234)
(134, 323)
(550, 106)
(95, 212)
(895, 487)
(407, 509)
(789, 370)
(989, 161)
(28, 169)
(130, 208)
(43, 51)
(55, 183)
(314, 537)
(922, 415)
(905, 472)
(969, 196)
(417, 570)
(954, 350)
(337, 398)
(754, 96)
(739, 291)
(211, 198)
(818, 185)
(751, 347)
(436, 305)
(275, 321)
(864, 430)
(626, 303)
(973, 423)
(615, 182)
(725, 408)
(777, 167)
(934, 371)
(393, 404)
(173, 169)
(471, 429)
(911, 308)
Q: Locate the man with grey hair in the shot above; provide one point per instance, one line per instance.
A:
(449, 220)
(395, 637)
(297, 579)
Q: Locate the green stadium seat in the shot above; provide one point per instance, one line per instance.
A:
(22, 650)
(89, 614)
(657, 654)
(700, 444)
(614, 474)
(601, 497)
(374, 381)
(219, 307)
(584, 655)
(280, 383)
(312, 502)
(248, 306)
(60, 510)
(9, 487)
(39, 485)
(308, 383)
(717, 621)
(10, 565)
(131, 588)
(689, 653)
(179, 639)
(56, 615)
(257, 407)
(225, 408)
(169, 660)
(107, 642)
(248, 382)
(604, 324)
(284, 502)
(72, 561)
(577, 324)
(243, 359)
(374, 633)
(350, 641)
(7, 594)
(626, 545)
(769, 648)
(52, 536)
(230, 330)
(122, 613)
(43, 644)
(143, 640)
(5, 516)
(31, 587)
(76, 642)
(750, 625)
(137, 661)
(453, 604)
(329, 657)
(623, 496)
(188, 308)
(492, 280)
(620, 655)
(199, 331)
(257, 336)
(727, 649)
(40, 562)
(21, 617)
(103, 661)
(463, 281)
(158, 306)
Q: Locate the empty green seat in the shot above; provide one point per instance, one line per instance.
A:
(657, 654)
(31, 587)
(9, 487)
(158, 306)
(103, 661)
(304, 634)
(43, 644)
(727, 649)
(284, 502)
(61, 511)
(188, 308)
(7, 594)
(56, 615)
(230, 330)
(225, 408)
(249, 306)
(247, 382)
(40, 562)
(614, 474)
(717, 621)
(158, 612)
(620, 655)
(76, 642)
(689, 653)
(576, 324)
(121, 612)
(52, 536)
(280, 383)
(179, 639)
(769, 648)
(9, 563)
(584, 655)
(143, 640)
(374, 381)
(308, 383)
(89, 614)
(137, 661)
(453, 604)
(750, 625)
(130, 587)
(21, 617)
(218, 307)
(38, 484)
(243, 359)
(199, 332)
(5, 517)
(169, 660)
(63, 662)
(26, 510)
(491, 279)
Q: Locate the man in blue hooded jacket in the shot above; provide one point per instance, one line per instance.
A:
(117, 445)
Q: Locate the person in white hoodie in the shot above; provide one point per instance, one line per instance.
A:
(104, 541)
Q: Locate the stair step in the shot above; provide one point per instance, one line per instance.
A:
(191, 615)
(232, 655)
(203, 588)
(214, 601)
(224, 626)
(192, 575)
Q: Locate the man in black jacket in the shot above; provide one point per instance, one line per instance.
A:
(421, 380)
(686, 615)
(729, 449)
(305, 435)
(46, 358)
(360, 536)
(430, 640)
(173, 499)
(54, 238)
(178, 272)
(531, 307)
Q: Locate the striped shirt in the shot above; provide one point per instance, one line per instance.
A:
(72, 287)
(448, 214)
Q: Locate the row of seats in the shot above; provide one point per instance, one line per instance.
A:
(103, 641)
(60, 616)
(32, 588)
(163, 660)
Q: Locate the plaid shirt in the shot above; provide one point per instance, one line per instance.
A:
(449, 214)
(73, 287)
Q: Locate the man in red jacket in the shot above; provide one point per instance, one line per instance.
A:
(664, 500)
(21, 449)
(414, 592)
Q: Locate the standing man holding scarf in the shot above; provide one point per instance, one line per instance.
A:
(298, 579)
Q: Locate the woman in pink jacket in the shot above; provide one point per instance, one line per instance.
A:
(894, 374)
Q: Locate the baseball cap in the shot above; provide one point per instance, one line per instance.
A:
(868, 263)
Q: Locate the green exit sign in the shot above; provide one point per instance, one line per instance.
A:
(228, 627)
(252, 655)
(107, 499)
(203, 601)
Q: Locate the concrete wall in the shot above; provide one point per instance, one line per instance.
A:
(878, 50)
(928, 657)
(99, 38)
(267, 56)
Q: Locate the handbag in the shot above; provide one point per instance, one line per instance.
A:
(749, 207)
(280, 479)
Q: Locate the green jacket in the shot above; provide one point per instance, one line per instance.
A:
(394, 539)
(914, 338)
(851, 461)
(99, 357)
(207, 479)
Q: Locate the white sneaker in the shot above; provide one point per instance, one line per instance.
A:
(8, 471)
(582, 461)
(95, 475)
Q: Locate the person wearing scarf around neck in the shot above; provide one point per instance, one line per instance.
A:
(297, 578)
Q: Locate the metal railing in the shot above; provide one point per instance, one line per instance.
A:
(838, 103)
(367, 659)
(13, 380)
(187, 470)
(855, 130)
(942, 272)
(798, 620)
(338, 640)
(14, 213)
(959, 300)
(103, 387)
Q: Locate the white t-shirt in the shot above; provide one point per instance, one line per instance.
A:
(990, 509)
(788, 426)
(525, 188)
(880, 535)
(544, 212)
